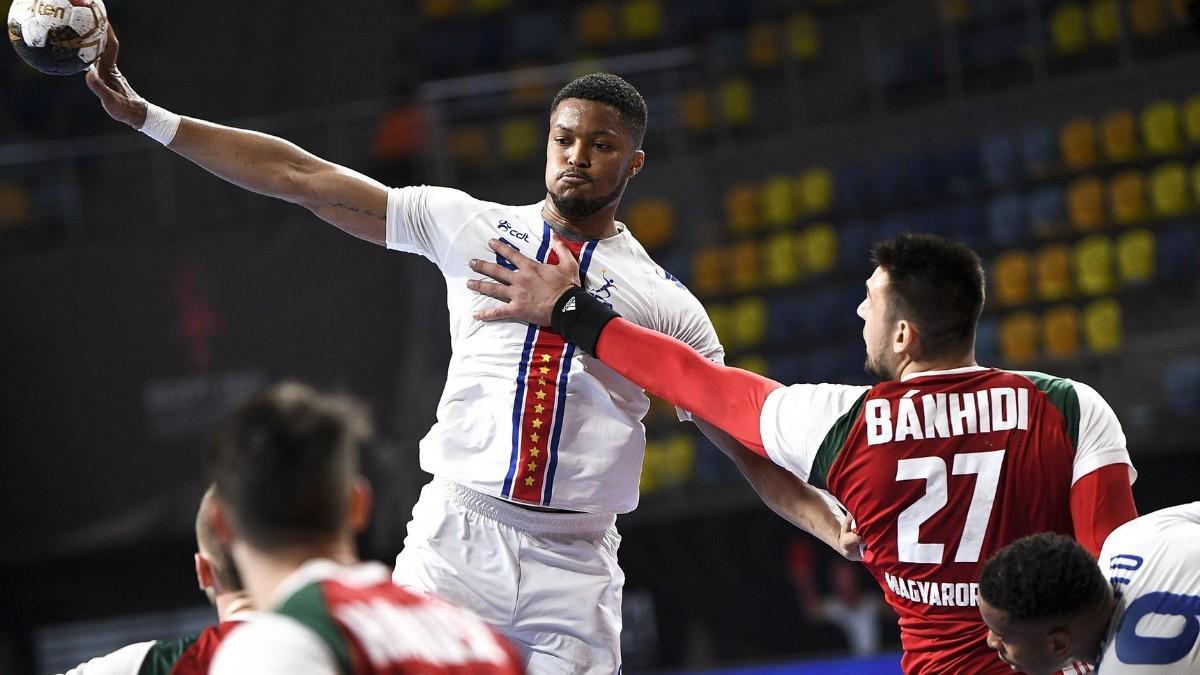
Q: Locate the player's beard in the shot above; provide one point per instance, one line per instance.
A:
(574, 208)
(877, 365)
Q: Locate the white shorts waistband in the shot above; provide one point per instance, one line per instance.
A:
(535, 522)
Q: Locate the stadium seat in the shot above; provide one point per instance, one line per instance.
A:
(987, 340)
(887, 183)
(1068, 28)
(725, 52)
(854, 241)
(750, 321)
(14, 204)
(1006, 220)
(782, 262)
(1018, 338)
(1038, 151)
(1127, 197)
(745, 266)
(998, 155)
(436, 10)
(1119, 136)
(1085, 203)
(785, 315)
(779, 201)
(521, 138)
(695, 111)
(1161, 128)
(1060, 332)
(1047, 211)
(1191, 119)
(1147, 18)
(1102, 326)
(1181, 385)
(1054, 272)
(803, 37)
(925, 176)
(852, 190)
(933, 220)
(1077, 142)
(819, 247)
(470, 146)
(528, 36)
(1092, 260)
(966, 223)
(642, 20)
(488, 6)
(742, 204)
(1135, 257)
(708, 271)
(401, 133)
(737, 102)
(1104, 20)
(816, 190)
(762, 45)
(1011, 278)
(1177, 253)
(964, 170)
(652, 219)
(1169, 194)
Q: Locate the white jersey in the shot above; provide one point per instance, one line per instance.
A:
(1153, 564)
(524, 416)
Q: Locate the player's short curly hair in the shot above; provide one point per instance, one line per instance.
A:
(1043, 576)
(613, 91)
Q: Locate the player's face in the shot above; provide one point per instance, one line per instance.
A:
(877, 327)
(1025, 647)
(590, 156)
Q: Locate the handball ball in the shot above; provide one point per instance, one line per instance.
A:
(58, 37)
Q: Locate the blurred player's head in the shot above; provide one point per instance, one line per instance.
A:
(597, 123)
(922, 303)
(215, 570)
(285, 464)
(1045, 602)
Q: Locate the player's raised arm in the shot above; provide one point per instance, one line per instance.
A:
(255, 161)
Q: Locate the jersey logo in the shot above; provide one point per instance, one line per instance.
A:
(604, 293)
(513, 232)
(570, 306)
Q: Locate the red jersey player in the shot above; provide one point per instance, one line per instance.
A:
(941, 464)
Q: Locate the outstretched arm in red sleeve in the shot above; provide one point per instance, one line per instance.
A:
(1101, 501)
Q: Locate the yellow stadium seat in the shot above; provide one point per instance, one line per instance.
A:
(1077, 141)
(750, 321)
(762, 45)
(820, 244)
(1102, 326)
(1191, 119)
(1011, 276)
(1054, 272)
(1118, 133)
(803, 36)
(1147, 18)
(779, 202)
(1060, 332)
(1085, 203)
(695, 110)
(520, 138)
(1135, 257)
(1127, 197)
(652, 219)
(440, 9)
(737, 102)
(1093, 263)
(1104, 18)
(470, 147)
(642, 20)
(1169, 195)
(1018, 338)
(815, 186)
(742, 202)
(782, 262)
(1161, 128)
(708, 271)
(745, 266)
(14, 204)
(595, 24)
(753, 363)
(1068, 28)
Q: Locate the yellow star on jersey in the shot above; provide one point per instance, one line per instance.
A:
(533, 466)
(529, 481)
(533, 452)
(543, 370)
(541, 382)
(539, 408)
(545, 358)
(541, 395)
(535, 437)
(537, 423)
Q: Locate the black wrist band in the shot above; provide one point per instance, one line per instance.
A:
(578, 318)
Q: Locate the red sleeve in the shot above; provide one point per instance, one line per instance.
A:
(729, 398)
(1101, 502)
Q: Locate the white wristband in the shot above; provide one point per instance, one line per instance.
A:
(160, 124)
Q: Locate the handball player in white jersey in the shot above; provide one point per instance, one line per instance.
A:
(537, 447)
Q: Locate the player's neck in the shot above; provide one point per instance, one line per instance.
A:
(909, 367)
(600, 225)
(264, 571)
(1096, 625)
(229, 604)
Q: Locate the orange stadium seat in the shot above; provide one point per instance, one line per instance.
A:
(1147, 18)
(1011, 274)
(782, 261)
(470, 146)
(1191, 119)
(488, 6)
(1054, 272)
(1161, 128)
(742, 204)
(803, 36)
(642, 20)
(1135, 257)
(695, 111)
(520, 138)
(1077, 141)
(652, 219)
(1104, 19)
(1060, 332)
(1118, 134)
(1018, 338)
(779, 201)
(1093, 263)
(954, 11)
(762, 45)
(816, 188)
(820, 247)
(1068, 28)
(595, 24)
(1169, 195)
(1127, 197)
(440, 9)
(708, 271)
(749, 319)
(1102, 326)
(1085, 203)
(745, 273)
(14, 204)
(737, 102)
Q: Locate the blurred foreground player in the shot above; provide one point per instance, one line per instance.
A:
(1047, 602)
(536, 447)
(289, 501)
(941, 464)
(219, 580)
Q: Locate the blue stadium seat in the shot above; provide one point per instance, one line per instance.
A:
(1177, 253)
(789, 368)
(925, 176)
(892, 225)
(529, 33)
(1006, 220)
(1039, 151)
(1048, 211)
(968, 223)
(998, 154)
(987, 340)
(1181, 385)
(851, 190)
(854, 241)
(932, 221)
(964, 170)
(888, 183)
(785, 316)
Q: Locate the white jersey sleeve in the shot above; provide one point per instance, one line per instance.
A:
(797, 420)
(425, 219)
(125, 661)
(1153, 565)
(1101, 440)
(273, 645)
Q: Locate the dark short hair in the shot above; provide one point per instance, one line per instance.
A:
(208, 544)
(610, 90)
(284, 463)
(1043, 576)
(936, 283)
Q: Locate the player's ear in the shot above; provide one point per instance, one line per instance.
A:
(636, 163)
(1058, 641)
(905, 337)
(204, 572)
(360, 504)
(218, 520)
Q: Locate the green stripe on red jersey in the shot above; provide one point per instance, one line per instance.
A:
(833, 443)
(1061, 393)
(308, 606)
(163, 656)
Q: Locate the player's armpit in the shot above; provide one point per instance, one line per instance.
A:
(1101, 501)
(729, 398)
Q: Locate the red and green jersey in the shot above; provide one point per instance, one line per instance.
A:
(187, 656)
(940, 471)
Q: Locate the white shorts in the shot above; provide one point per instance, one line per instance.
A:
(548, 581)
